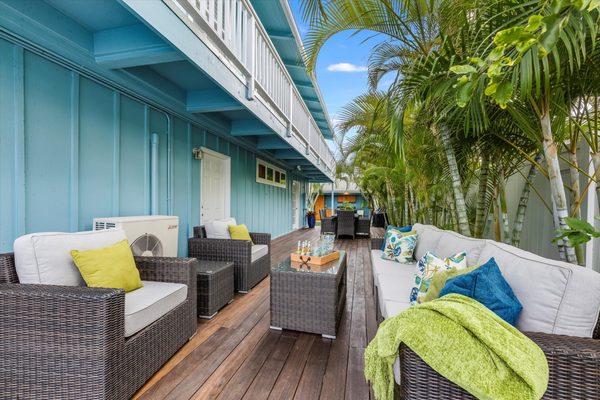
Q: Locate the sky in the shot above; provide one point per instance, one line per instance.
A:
(342, 64)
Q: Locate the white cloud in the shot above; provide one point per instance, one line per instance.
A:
(346, 67)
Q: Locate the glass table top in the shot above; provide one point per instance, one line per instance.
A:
(297, 267)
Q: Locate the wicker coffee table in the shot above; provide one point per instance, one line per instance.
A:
(215, 286)
(308, 298)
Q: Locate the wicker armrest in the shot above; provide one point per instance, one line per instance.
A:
(261, 238)
(49, 334)
(219, 249)
(376, 243)
(167, 269)
(574, 365)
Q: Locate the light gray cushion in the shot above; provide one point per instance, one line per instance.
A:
(45, 258)
(258, 251)
(393, 308)
(219, 229)
(383, 267)
(557, 297)
(147, 304)
(446, 243)
(394, 282)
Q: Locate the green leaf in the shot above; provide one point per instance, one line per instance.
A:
(463, 69)
(478, 61)
(503, 94)
(534, 23)
(491, 88)
(508, 37)
(549, 39)
(580, 225)
(577, 238)
(464, 93)
(496, 53)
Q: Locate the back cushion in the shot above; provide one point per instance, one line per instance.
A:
(219, 229)
(557, 297)
(44, 258)
(446, 243)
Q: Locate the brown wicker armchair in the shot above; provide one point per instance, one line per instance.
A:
(328, 224)
(574, 364)
(68, 342)
(247, 273)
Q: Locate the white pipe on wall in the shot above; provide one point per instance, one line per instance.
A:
(154, 174)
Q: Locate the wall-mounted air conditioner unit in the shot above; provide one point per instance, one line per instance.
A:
(149, 235)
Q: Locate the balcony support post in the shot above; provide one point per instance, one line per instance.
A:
(250, 29)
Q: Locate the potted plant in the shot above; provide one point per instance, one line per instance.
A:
(310, 219)
(313, 192)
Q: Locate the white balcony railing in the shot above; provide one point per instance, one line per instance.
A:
(232, 30)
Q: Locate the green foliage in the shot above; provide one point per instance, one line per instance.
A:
(347, 206)
(579, 232)
(483, 71)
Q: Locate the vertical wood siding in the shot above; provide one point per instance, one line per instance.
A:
(72, 149)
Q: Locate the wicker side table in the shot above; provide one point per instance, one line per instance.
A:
(308, 299)
(215, 286)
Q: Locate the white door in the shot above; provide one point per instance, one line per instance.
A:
(296, 204)
(215, 186)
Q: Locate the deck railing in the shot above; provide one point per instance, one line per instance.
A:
(233, 31)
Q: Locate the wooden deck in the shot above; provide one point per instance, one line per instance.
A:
(236, 356)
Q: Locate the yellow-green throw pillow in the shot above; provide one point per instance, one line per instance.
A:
(108, 267)
(239, 232)
(439, 281)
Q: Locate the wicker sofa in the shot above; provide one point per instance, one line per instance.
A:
(564, 292)
(68, 342)
(250, 267)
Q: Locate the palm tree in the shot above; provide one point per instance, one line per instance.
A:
(545, 39)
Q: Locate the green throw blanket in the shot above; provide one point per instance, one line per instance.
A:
(464, 342)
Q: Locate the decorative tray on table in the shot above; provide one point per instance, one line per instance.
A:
(315, 260)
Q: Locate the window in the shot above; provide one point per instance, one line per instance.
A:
(270, 175)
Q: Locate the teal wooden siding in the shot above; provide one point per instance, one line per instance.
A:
(72, 149)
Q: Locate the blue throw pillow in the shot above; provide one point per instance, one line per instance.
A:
(403, 229)
(487, 285)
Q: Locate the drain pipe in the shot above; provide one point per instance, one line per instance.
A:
(154, 174)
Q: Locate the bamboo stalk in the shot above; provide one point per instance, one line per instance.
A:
(459, 198)
(523, 201)
(556, 182)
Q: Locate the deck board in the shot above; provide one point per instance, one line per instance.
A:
(236, 356)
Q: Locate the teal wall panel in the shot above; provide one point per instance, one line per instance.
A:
(72, 149)
(47, 106)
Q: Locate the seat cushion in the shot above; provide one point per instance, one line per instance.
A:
(45, 258)
(259, 251)
(383, 267)
(446, 243)
(219, 229)
(557, 297)
(395, 288)
(393, 308)
(147, 304)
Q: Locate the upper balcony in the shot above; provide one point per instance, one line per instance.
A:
(227, 41)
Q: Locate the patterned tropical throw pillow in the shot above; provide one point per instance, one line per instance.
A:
(398, 247)
(427, 266)
(406, 231)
